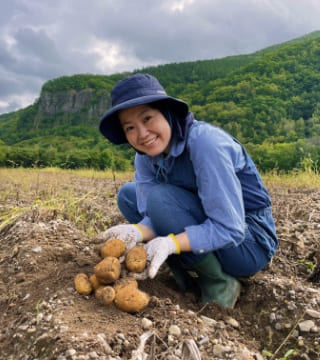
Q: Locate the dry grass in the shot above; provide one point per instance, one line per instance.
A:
(63, 192)
(306, 178)
(60, 191)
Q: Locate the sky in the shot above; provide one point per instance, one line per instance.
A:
(42, 40)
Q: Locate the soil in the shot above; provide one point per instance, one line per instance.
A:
(43, 317)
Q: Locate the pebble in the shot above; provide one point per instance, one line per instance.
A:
(306, 326)
(64, 328)
(70, 352)
(300, 342)
(272, 317)
(314, 329)
(37, 249)
(23, 327)
(174, 330)
(102, 340)
(31, 330)
(208, 321)
(204, 340)
(26, 297)
(121, 336)
(313, 313)
(48, 317)
(233, 322)
(277, 326)
(220, 350)
(292, 306)
(292, 293)
(295, 333)
(171, 340)
(39, 317)
(146, 324)
(93, 355)
(178, 353)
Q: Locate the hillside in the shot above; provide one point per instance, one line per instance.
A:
(269, 100)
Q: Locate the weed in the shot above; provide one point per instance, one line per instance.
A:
(308, 263)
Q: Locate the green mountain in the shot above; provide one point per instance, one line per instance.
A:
(269, 100)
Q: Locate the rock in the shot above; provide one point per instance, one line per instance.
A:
(219, 350)
(233, 322)
(306, 326)
(313, 313)
(278, 326)
(208, 321)
(171, 340)
(106, 347)
(93, 355)
(146, 324)
(204, 340)
(37, 250)
(314, 329)
(70, 352)
(174, 330)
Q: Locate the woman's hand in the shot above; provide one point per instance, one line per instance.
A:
(158, 250)
(131, 234)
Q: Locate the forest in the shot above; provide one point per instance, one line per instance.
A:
(269, 100)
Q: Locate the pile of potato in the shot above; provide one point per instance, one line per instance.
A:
(106, 281)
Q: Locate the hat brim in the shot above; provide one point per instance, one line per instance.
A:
(110, 126)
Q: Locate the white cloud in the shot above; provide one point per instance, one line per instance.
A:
(180, 5)
(15, 102)
(44, 39)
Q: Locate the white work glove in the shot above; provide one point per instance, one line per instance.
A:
(158, 250)
(131, 234)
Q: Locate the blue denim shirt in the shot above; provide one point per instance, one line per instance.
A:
(215, 166)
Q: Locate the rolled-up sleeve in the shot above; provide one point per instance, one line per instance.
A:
(215, 157)
(145, 180)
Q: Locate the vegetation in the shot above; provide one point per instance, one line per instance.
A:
(54, 190)
(269, 100)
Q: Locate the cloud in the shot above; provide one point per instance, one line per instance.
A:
(44, 39)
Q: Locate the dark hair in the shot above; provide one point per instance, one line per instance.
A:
(177, 124)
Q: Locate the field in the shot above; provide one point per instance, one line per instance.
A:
(48, 222)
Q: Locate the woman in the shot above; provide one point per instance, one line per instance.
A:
(197, 200)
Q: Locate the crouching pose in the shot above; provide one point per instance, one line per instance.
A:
(197, 200)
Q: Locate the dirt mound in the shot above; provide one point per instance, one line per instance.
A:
(278, 314)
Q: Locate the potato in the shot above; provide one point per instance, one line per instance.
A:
(136, 259)
(113, 247)
(94, 282)
(105, 294)
(123, 282)
(108, 270)
(130, 299)
(82, 284)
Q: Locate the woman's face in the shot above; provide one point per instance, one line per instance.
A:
(146, 129)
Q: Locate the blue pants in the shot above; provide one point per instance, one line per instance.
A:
(185, 209)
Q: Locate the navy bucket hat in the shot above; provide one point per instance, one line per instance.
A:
(135, 90)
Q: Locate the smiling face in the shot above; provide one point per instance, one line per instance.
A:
(146, 129)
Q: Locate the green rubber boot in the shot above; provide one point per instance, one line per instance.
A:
(181, 276)
(214, 283)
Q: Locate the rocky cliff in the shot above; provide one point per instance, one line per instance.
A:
(87, 105)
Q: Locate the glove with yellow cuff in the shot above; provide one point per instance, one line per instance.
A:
(158, 250)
